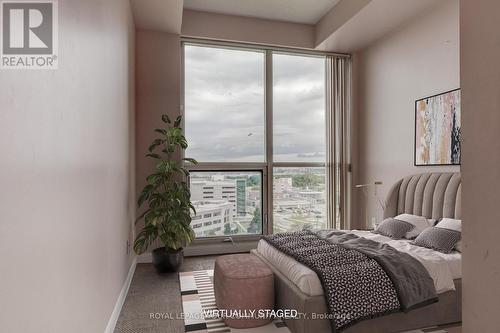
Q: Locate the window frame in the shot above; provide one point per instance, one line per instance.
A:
(268, 165)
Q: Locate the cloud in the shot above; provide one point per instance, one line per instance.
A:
(225, 105)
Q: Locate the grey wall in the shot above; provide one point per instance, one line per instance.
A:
(417, 60)
(480, 80)
(158, 91)
(67, 176)
(246, 29)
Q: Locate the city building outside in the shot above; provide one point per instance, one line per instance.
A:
(230, 202)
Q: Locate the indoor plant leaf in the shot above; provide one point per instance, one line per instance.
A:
(166, 196)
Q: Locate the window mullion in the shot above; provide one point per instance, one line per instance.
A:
(268, 210)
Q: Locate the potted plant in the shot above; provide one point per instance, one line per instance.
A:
(167, 199)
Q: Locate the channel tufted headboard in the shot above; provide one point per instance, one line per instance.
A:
(433, 195)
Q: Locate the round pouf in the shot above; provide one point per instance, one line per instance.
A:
(243, 283)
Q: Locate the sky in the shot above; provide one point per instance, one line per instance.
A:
(225, 102)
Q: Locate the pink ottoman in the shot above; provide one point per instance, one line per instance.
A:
(243, 282)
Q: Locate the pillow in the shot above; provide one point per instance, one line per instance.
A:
(394, 228)
(452, 224)
(419, 222)
(432, 222)
(439, 239)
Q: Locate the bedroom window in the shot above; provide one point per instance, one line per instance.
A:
(256, 121)
(224, 104)
(298, 108)
(235, 208)
(299, 197)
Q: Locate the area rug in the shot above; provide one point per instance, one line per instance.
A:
(198, 299)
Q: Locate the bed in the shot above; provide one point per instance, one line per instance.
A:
(433, 195)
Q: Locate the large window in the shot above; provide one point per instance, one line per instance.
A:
(299, 198)
(224, 103)
(259, 116)
(227, 202)
(298, 108)
(298, 140)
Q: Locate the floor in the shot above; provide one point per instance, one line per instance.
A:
(158, 296)
(151, 294)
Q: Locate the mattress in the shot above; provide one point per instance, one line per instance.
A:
(443, 268)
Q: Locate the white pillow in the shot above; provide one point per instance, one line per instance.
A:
(419, 222)
(452, 224)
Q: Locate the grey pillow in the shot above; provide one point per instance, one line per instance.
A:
(439, 239)
(393, 228)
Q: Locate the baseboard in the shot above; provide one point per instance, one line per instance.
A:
(201, 249)
(121, 299)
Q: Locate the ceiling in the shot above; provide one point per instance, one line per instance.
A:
(161, 15)
(376, 19)
(297, 11)
(336, 25)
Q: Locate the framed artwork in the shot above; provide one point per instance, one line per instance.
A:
(437, 129)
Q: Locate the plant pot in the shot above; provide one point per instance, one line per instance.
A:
(167, 260)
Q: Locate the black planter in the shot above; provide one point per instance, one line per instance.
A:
(167, 260)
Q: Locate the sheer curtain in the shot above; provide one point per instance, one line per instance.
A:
(338, 159)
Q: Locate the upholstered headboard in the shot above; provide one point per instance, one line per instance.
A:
(433, 195)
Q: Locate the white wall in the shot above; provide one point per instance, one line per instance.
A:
(419, 59)
(480, 80)
(66, 173)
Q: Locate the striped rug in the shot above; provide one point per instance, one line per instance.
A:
(197, 292)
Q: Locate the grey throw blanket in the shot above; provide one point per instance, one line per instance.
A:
(361, 279)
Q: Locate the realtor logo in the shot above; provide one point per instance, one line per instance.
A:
(29, 34)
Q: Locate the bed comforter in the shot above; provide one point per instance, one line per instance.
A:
(361, 278)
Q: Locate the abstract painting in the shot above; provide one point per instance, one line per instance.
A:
(437, 129)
